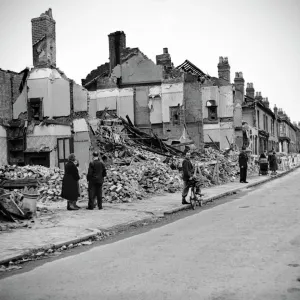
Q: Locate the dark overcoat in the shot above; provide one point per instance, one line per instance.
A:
(187, 169)
(273, 163)
(243, 159)
(96, 172)
(70, 182)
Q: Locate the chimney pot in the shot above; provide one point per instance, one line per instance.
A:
(165, 50)
(241, 74)
(225, 59)
(220, 59)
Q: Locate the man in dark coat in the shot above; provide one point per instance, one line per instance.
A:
(243, 162)
(95, 177)
(187, 170)
(70, 183)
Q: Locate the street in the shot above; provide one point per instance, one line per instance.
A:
(248, 248)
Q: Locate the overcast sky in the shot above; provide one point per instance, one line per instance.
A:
(260, 37)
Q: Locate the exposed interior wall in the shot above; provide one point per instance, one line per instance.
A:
(79, 98)
(225, 101)
(47, 136)
(20, 105)
(193, 112)
(55, 91)
(172, 95)
(125, 105)
(60, 98)
(120, 100)
(209, 93)
(3, 146)
(155, 104)
(139, 69)
(92, 104)
(213, 131)
(142, 111)
(226, 130)
(81, 149)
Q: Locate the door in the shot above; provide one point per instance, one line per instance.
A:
(65, 146)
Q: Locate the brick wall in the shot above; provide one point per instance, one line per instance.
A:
(44, 41)
(9, 92)
(117, 42)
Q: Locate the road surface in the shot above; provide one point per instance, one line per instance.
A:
(248, 248)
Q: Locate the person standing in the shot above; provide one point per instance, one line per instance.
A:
(187, 170)
(243, 162)
(95, 178)
(273, 163)
(70, 183)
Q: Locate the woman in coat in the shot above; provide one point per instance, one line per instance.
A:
(70, 183)
(273, 163)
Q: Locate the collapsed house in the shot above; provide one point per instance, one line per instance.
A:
(157, 97)
(46, 120)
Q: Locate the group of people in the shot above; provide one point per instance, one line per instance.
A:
(272, 160)
(243, 163)
(95, 177)
(97, 173)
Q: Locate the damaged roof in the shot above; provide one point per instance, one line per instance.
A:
(189, 67)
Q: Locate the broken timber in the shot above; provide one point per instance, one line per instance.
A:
(151, 143)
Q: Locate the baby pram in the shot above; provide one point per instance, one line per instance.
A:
(263, 166)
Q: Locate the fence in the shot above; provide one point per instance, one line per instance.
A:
(288, 162)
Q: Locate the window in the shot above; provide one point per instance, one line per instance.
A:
(175, 115)
(35, 109)
(258, 120)
(212, 110)
(272, 127)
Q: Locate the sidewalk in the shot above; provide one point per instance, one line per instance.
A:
(61, 227)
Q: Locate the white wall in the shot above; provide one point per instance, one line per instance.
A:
(172, 95)
(120, 100)
(79, 98)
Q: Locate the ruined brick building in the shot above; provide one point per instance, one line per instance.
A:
(42, 109)
(157, 97)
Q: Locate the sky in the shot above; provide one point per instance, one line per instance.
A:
(261, 38)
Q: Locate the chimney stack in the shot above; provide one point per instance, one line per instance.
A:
(164, 59)
(117, 43)
(238, 99)
(44, 40)
(258, 96)
(250, 90)
(224, 69)
(267, 103)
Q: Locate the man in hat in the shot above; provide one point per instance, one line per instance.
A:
(243, 162)
(95, 178)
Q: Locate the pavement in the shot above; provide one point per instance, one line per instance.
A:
(60, 227)
(245, 249)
